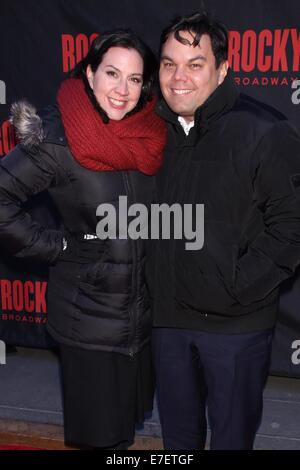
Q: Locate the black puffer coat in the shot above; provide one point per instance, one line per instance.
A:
(242, 161)
(97, 296)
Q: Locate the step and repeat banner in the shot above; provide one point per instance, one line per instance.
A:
(40, 42)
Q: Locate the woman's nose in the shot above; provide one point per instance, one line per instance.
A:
(122, 88)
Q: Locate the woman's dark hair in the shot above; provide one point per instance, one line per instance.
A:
(199, 24)
(118, 38)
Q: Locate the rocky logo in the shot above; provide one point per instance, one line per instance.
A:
(265, 51)
(7, 138)
(75, 48)
(265, 58)
(28, 296)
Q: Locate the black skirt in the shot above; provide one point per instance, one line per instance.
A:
(105, 395)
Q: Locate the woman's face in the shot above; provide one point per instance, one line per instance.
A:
(117, 82)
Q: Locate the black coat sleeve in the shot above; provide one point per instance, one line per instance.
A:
(23, 174)
(275, 253)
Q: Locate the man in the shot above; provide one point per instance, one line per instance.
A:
(215, 308)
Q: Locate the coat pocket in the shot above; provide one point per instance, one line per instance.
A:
(205, 279)
(111, 278)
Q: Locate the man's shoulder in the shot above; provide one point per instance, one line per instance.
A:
(249, 120)
(254, 111)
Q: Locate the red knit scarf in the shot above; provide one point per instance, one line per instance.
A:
(134, 143)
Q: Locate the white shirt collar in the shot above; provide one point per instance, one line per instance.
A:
(186, 125)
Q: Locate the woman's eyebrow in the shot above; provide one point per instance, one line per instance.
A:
(118, 70)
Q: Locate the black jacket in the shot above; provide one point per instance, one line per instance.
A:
(97, 296)
(242, 161)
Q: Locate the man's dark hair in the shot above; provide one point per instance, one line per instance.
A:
(118, 38)
(198, 24)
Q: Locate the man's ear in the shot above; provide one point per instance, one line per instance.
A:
(90, 76)
(223, 69)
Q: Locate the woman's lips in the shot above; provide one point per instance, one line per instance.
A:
(117, 104)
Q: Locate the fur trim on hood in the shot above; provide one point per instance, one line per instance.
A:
(27, 124)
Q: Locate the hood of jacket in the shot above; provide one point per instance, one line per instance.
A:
(33, 127)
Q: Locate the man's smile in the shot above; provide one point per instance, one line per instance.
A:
(178, 91)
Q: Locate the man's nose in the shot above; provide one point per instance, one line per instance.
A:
(180, 73)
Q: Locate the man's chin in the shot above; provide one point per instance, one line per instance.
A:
(180, 110)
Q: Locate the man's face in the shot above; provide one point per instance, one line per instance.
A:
(188, 75)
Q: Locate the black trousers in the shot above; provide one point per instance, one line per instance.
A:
(225, 373)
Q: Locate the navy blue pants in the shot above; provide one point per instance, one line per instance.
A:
(225, 373)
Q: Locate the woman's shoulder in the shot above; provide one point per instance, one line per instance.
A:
(34, 128)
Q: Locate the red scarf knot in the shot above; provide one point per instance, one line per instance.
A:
(133, 143)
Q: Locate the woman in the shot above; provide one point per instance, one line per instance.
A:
(102, 141)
